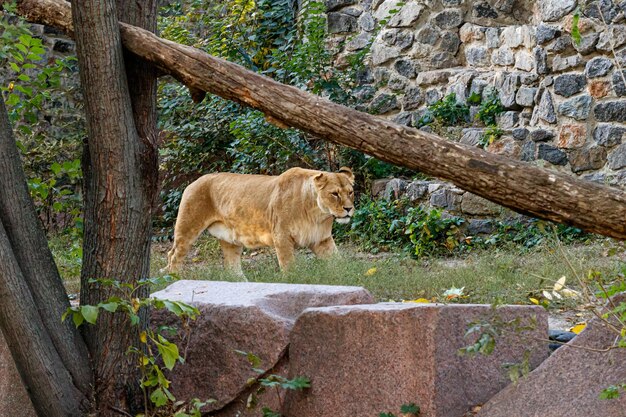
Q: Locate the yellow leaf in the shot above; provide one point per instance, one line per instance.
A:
(558, 286)
(570, 293)
(143, 337)
(578, 328)
(534, 300)
(370, 272)
(419, 300)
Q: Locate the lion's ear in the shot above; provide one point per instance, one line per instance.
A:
(348, 172)
(320, 180)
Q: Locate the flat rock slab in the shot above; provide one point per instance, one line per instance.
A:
(569, 382)
(14, 399)
(244, 316)
(368, 359)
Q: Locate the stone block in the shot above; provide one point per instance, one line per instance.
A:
(527, 152)
(599, 88)
(568, 383)
(572, 136)
(14, 399)
(446, 199)
(525, 96)
(587, 159)
(545, 110)
(577, 107)
(471, 136)
(395, 188)
(477, 56)
(476, 205)
(564, 63)
(416, 190)
(598, 67)
(383, 103)
(382, 53)
(448, 19)
(553, 10)
(587, 44)
(332, 5)
(611, 111)
(378, 187)
(364, 360)
(506, 146)
(340, 23)
(567, 85)
(407, 16)
(609, 135)
(471, 33)
(619, 86)
(617, 157)
(502, 56)
(413, 98)
(551, 154)
(246, 316)
(545, 33)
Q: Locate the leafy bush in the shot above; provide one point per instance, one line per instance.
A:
(48, 126)
(447, 111)
(383, 224)
(489, 109)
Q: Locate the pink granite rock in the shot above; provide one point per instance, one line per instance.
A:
(250, 317)
(14, 400)
(569, 382)
(364, 360)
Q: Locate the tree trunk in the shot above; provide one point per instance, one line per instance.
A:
(520, 186)
(120, 187)
(50, 355)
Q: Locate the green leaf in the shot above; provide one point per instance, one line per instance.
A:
(21, 48)
(410, 408)
(14, 66)
(158, 397)
(78, 318)
(575, 30)
(90, 313)
(110, 306)
(25, 39)
(297, 383)
(13, 100)
(169, 352)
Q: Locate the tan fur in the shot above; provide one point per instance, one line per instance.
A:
(293, 210)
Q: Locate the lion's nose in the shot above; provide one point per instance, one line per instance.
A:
(348, 209)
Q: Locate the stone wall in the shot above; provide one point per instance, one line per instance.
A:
(565, 102)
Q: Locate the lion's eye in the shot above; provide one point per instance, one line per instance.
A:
(335, 195)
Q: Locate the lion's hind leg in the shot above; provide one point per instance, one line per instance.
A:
(187, 230)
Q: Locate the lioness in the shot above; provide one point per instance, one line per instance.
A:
(293, 210)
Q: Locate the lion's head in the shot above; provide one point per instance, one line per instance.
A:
(335, 194)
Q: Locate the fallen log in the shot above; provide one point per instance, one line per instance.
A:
(520, 186)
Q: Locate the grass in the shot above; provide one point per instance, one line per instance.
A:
(504, 275)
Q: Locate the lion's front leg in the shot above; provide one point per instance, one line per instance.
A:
(324, 248)
(232, 258)
(285, 248)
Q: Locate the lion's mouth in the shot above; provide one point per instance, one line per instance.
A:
(343, 220)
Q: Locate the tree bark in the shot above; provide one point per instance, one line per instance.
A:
(50, 355)
(520, 186)
(120, 186)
